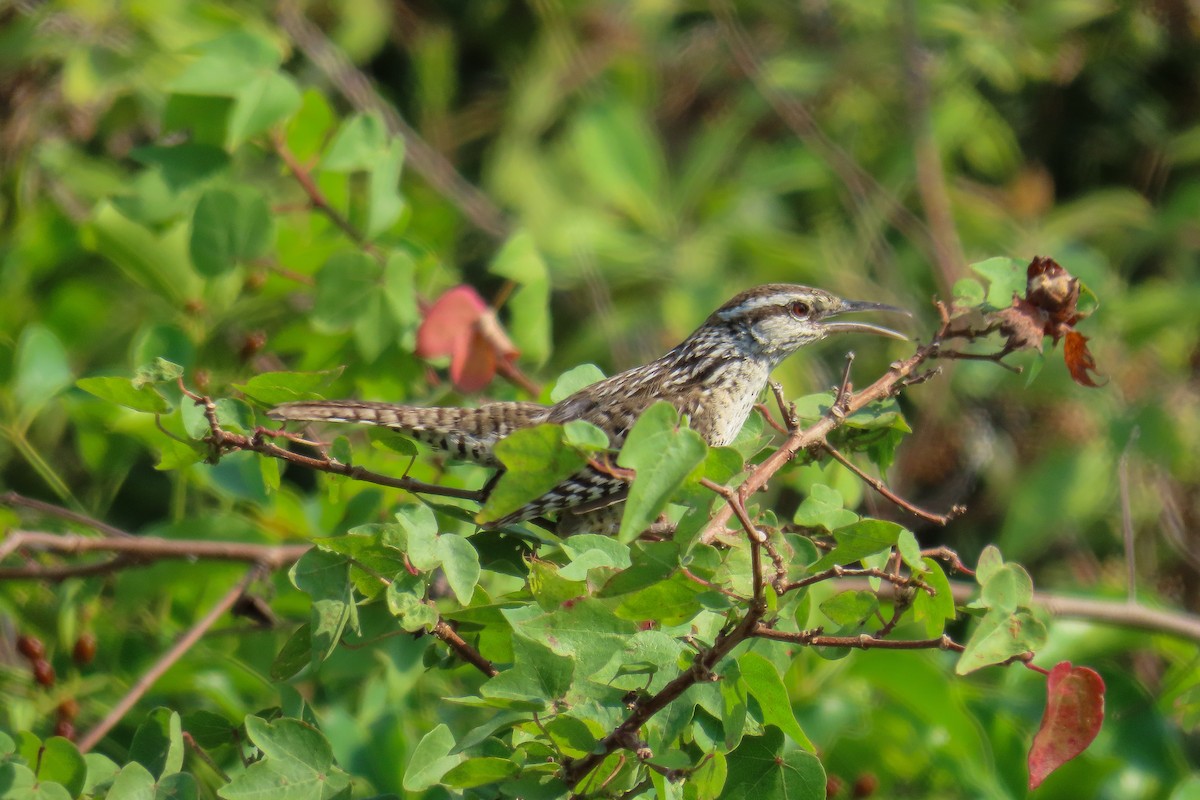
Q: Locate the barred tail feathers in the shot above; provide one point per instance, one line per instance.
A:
(466, 433)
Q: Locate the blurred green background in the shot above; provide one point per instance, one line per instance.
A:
(660, 156)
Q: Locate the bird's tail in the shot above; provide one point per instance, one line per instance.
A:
(466, 433)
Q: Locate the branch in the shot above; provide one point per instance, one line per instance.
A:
(625, 734)
(1112, 612)
(14, 500)
(136, 551)
(881, 487)
(466, 652)
(177, 651)
(864, 641)
(844, 406)
(836, 571)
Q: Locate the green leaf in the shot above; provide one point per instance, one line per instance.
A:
(158, 261)
(575, 379)
(766, 686)
(461, 563)
(182, 165)
(158, 743)
(326, 578)
(571, 735)
(431, 760)
(479, 772)
(651, 562)
(265, 100)
(968, 293)
(823, 509)
(1000, 636)
(850, 609)
(384, 202)
(520, 261)
(734, 703)
(937, 610)
(347, 285)
(1005, 277)
(670, 602)
(122, 392)
(273, 388)
(990, 561)
(645, 662)
(664, 456)
(416, 535)
(62, 763)
(588, 551)
(229, 227)
(586, 629)
(762, 768)
(1008, 588)
(160, 370)
(536, 460)
(133, 782)
(538, 675)
(297, 762)
(40, 371)
(405, 600)
(209, 729)
(295, 655)
(585, 436)
(356, 145)
(855, 542)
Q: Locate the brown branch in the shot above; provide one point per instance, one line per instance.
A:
(136, 551)
(864, 641)
(625, 734)
(315, 196)
(1110, 612)
(837, 572)
(15, 500)
(881, 487)
(177, 651)
(844, 405)
(466, 652)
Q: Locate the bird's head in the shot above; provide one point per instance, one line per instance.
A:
(779, 318)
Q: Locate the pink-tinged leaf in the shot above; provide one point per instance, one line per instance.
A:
(1074, 711)
(448, 321)
(473, 364)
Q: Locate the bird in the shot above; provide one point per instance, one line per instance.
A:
(714, 377)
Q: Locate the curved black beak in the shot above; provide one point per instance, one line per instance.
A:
(849, 306)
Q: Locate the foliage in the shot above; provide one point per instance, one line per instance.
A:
(191, 190)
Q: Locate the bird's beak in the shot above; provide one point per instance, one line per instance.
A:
(863, 327)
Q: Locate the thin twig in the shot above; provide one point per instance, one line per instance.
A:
(881, 487)
(466, 652)
(15, 500)
(864, 641)
(838, 572)
(139, 550)
(177, 651)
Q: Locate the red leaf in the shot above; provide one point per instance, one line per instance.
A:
(1079, 359)
(461, 325)
(473, 364)
(450, 319)
(1074, 711)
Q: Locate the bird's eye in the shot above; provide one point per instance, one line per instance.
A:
(800, 309)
